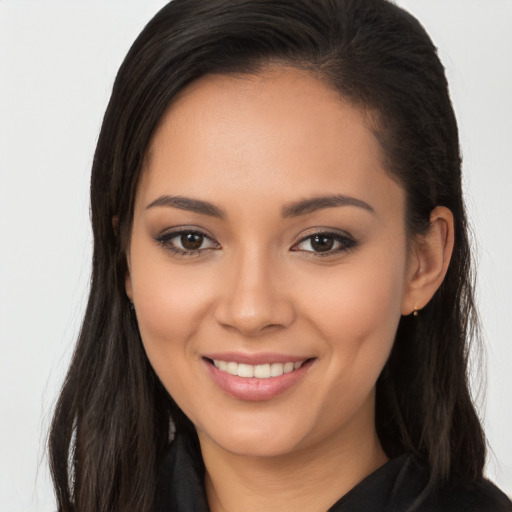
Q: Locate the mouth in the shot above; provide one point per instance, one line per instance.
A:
(256, 382)
(259, 371)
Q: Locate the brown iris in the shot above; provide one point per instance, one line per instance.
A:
(191, 241)
(322, 243)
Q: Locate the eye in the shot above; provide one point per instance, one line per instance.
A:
(325, 243)
(187, 242)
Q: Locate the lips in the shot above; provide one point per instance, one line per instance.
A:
(237, 377)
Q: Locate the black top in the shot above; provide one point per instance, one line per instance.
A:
(394, 487)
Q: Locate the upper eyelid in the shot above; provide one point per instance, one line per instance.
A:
(304, 235)
(175, 231)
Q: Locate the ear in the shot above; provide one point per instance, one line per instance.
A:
(127, 280)
(428, 261)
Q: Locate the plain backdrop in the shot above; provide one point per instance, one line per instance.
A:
(58, 60)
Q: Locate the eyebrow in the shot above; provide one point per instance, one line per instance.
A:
(186, 203)
(320, 202)
(294, 209)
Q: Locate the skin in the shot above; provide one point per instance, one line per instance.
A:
(251, 146)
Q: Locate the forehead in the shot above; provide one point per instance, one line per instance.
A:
(278, 132)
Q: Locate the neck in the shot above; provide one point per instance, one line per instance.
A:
(310, 479)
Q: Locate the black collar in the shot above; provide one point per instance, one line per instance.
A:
(394, 487)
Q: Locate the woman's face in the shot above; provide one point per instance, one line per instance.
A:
(268, 262)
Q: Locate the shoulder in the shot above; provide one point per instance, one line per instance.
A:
(479, 496)
(402, 484)
(412, 492)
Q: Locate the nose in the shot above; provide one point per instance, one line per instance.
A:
(254, 299)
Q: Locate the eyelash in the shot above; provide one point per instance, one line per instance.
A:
(166, 241)
(345, 242)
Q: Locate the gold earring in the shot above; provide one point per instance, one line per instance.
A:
(415, 312)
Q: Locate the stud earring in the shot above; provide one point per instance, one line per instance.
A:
(415, 312)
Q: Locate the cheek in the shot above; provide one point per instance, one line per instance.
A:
(170, 301)
(360, 310)
(170, 307)
(167, 312)
(357, 319)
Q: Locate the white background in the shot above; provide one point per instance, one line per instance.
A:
(58, 60)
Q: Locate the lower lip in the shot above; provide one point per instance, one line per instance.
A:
(252, 388)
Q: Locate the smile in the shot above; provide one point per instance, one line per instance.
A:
(260, 371)
(255, 382)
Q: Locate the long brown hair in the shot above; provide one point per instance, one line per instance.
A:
(111, 423)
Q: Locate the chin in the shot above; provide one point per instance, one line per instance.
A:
(256, 441)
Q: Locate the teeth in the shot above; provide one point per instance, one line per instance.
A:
(288, 367)
(232, 368)
(245, 370)
(260, 371)
(276, 369)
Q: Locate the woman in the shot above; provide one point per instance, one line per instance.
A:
(282, 296)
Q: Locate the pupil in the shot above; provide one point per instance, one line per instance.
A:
(322, 243)
(191, 241)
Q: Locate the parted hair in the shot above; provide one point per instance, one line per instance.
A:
(112, 421)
